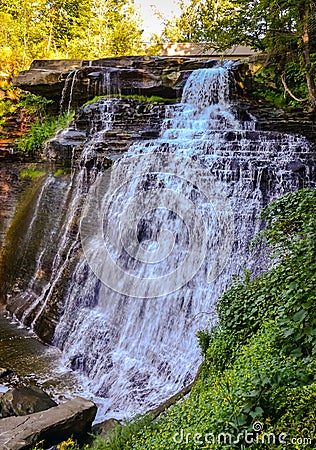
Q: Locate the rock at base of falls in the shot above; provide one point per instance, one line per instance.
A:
(73, 418)
(103, 428)
(24, 400)
(4, 372)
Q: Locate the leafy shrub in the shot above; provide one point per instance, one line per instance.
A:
(121, 437)
(34, 103)
(268, 85)
(41, 131)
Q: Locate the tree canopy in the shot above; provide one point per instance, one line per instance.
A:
(65, 29)
(284, 29)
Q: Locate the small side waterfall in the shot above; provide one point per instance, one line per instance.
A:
(67, 92)
(162, 232)
(97, 81)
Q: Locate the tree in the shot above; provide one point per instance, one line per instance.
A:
(280, 27)
(284, 29)
(200, 21)
(52, 29)
(21, 31)
(114, 28)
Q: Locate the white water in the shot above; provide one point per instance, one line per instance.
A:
(105, 83)
(67, 92)
(135, 350)
(176, 215)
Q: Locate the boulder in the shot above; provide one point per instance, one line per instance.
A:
(21, 401)
(72, 418)
(103, 428)
(4, 372)
(63, 144)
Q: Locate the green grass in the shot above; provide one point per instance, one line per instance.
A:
(141, 98)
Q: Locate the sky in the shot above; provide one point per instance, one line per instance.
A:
(151, 23)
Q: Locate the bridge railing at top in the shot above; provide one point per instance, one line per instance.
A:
(197, 50)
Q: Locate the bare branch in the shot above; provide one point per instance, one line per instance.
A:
(286, 89)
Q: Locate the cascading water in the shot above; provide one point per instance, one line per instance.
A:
(67, 92)
(99, 81)
(162, 233)
(135, 340)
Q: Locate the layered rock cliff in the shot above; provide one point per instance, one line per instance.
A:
(77, 81)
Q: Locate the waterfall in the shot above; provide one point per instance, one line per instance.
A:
(98, 81)
(67, 92)
(162, 232)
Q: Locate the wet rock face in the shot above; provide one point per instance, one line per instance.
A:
(115, 124)
(72, 83)
(60, 148)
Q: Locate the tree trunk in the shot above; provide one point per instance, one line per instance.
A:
(308, 67)
(49, 41)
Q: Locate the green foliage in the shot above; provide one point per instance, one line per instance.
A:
(41, 131)
(267, 84)
(34, 103)
(7, 108)
(201, 21)
(121, 437)
(70, 444)
(204, 338)
(141, 98)
(65, 29)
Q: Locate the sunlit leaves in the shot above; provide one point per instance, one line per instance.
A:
(65, 29)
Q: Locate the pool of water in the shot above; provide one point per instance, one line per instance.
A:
(34, 362)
